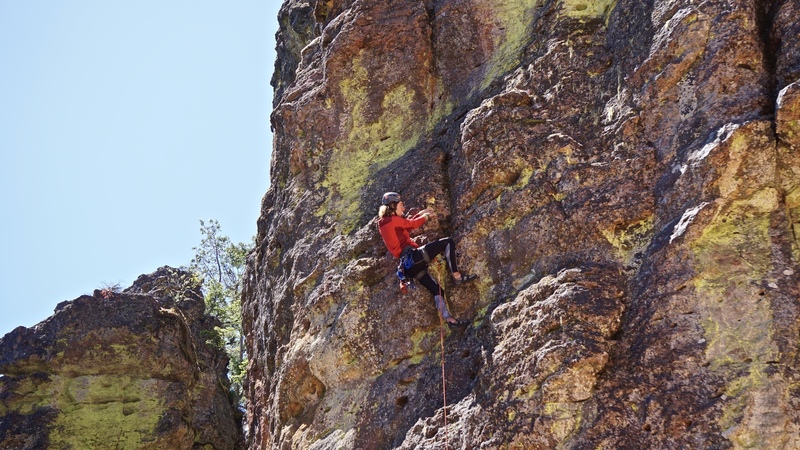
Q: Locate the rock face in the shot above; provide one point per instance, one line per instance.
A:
(622, 175)
(119, 370)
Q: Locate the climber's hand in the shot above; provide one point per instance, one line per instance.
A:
(427, 212)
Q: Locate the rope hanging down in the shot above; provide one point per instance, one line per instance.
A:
(444, 383)
(437, 270)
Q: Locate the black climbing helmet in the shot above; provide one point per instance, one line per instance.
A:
(390, 197)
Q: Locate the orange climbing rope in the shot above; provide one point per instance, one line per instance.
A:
(440, 280)
(444, 382)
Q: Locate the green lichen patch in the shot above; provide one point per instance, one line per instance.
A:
(793, 207)
(733, 262)
(103, 411)
(755, 406)
(342, 407)
(372, 143)
(110, 409)
(24, 395)
(733, 255)
(417, 339)
(735, 247)
(629, 239)
(588, 9)
(528, 391)
(564, 417)
(511, 21)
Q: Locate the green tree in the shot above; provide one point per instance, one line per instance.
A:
(221, 263)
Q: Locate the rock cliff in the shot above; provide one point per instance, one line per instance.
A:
(128, 369)
(622, 175)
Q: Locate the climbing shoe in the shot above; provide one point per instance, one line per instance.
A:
(465, 278)
(458, 324)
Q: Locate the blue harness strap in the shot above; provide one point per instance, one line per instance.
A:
(407, 262)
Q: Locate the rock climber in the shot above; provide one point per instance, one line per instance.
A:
(414, 260)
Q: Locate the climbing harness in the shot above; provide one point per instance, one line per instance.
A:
(406, 263)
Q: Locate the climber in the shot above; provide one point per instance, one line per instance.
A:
(414, 260)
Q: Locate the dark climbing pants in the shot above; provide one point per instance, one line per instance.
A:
(444, 246)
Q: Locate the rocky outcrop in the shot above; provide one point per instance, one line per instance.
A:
(128, 369)
(622, 175)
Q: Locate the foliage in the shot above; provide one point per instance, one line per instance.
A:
(221, 263)
(109, 291)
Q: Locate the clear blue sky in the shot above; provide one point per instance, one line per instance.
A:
(122, 124)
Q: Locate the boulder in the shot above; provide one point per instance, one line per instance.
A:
(119, 369)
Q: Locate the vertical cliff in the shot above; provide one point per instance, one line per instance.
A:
(128, 369)
(622, 175)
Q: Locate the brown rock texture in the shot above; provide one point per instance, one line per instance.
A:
(622, 175)
(128, 369)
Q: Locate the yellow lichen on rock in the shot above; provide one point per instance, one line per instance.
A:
(629, 239)
(793, 211)
(588, 9)
(511, 33)
(98, 411)
(733, 256)
(109, 412)
(734, 263)
(372, 143)
(418, 353)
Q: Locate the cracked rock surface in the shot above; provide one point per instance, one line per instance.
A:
(623, 177)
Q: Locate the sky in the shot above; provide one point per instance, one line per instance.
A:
(122, 125)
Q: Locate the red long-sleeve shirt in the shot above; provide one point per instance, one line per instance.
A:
(394, 231)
